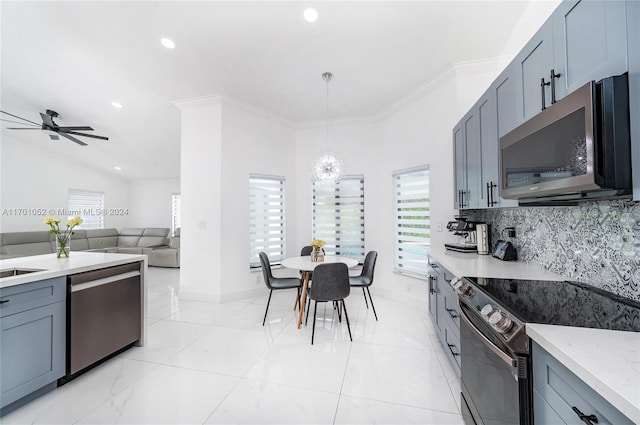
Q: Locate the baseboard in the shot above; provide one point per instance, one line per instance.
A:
(243, 294)
(190, 295)
(221, 297)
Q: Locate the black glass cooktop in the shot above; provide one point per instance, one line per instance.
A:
(562, 303)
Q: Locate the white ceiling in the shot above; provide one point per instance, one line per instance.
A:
(78, 57)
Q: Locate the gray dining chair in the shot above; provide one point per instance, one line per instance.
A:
(365, 279)
(330, 283)
(276, 283)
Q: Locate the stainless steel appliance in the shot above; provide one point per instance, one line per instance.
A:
(496, 356)
(482, 237)
(104, 314)
(577, 149)
(466, 232)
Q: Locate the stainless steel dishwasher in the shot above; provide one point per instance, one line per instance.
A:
(104, 312)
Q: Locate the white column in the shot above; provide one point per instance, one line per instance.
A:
(201, 192)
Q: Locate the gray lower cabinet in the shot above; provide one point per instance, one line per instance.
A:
(32, 337)
(560, 397)
(444, 311)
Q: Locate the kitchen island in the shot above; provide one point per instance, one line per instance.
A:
(61, 316)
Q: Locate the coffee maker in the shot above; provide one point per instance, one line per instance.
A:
(467, 232)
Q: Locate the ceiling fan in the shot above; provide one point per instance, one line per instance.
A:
(52, 128)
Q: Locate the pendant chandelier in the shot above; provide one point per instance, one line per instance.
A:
(328, 168)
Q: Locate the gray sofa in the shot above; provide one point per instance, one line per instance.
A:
(166, 256)
(127, 241)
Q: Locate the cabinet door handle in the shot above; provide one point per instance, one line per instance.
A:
(451, 347)
(452, 313)
(553, 77)
(587, 419)
(493, 185)
(488, 205)
(431, 290)
(4, 301)
(542, 84)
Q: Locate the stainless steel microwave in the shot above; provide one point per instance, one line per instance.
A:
(577, 149)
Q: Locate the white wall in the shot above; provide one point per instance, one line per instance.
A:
(416, 132)
(222, 143)
(252, 142)
(32, 178)
(151, 202)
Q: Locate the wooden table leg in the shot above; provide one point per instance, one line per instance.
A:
(303, 300)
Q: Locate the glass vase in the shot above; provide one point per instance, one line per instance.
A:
(317, 255)
(63, 246)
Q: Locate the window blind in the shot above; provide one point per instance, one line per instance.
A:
(411, 220)
(338, 216)
(266, 218)
(176, 208)
(89, 206)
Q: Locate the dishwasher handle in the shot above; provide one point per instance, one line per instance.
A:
(103, 281)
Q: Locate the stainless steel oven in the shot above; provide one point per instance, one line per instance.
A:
(496, 387)
(496, 365)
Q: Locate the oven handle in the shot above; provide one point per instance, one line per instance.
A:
(498, 352)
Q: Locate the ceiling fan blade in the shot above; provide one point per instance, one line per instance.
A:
(93, 136)
(54, 137)
(48, 121)
(73, 139)
(23, 128)
(18, 122)
(20, 118)
(82, 127)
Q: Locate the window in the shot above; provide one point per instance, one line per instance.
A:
(176, 207)
(338, 216)
(411, 220)
(89, 206)
(266, 218)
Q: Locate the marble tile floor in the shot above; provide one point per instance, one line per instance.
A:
(206, 363)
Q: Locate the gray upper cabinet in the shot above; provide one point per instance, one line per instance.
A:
(467, 162)
(589, 42)
(471, 196)
(633, 47)
(583, 40)
(504, 88)
(460, 172)
(503, 93)
(533, 65)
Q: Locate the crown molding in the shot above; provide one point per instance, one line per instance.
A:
(446, 75)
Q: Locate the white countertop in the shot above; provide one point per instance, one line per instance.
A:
(51, 266)
(608, 361)
(474, 265)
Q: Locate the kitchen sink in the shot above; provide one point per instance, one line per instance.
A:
(16, 272)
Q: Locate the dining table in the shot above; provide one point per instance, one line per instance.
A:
(306, 266)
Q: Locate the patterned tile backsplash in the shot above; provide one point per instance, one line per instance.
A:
(597, 243)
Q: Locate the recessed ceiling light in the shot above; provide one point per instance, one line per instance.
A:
(117, 105)
(117, 168)
(169, 44)
(310, 15)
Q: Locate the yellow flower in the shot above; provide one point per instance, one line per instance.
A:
(75, 221)
(51, 220)
(317, 243)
